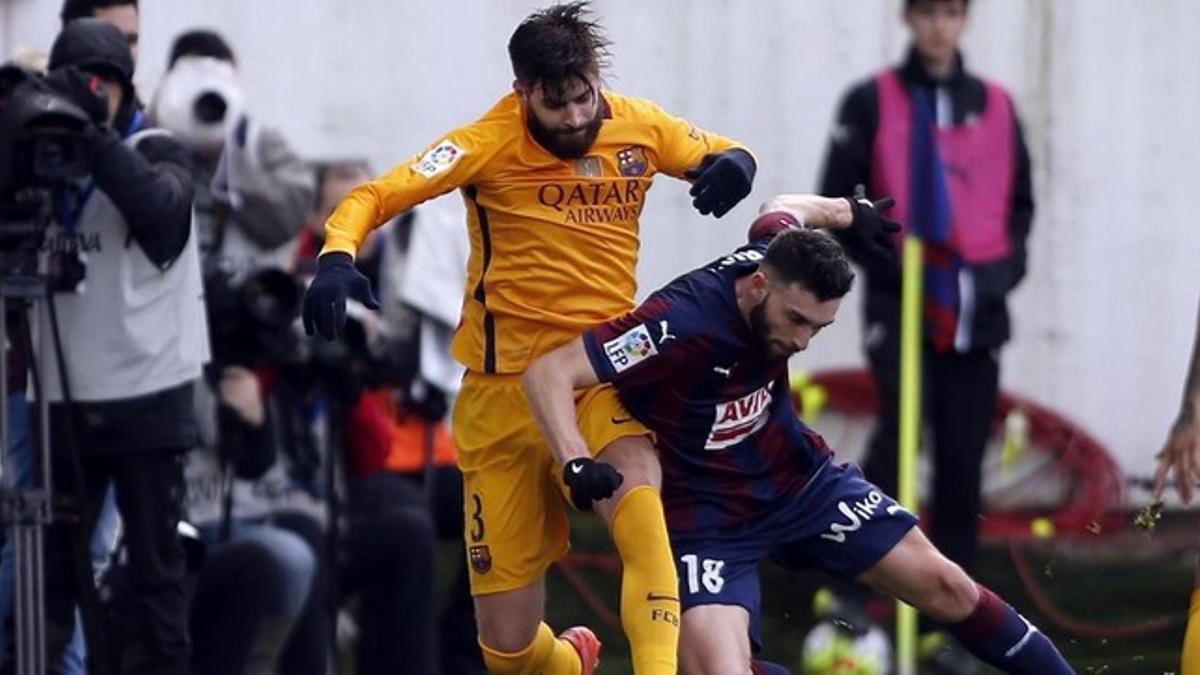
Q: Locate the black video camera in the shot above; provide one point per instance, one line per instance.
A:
(42, 148)
(251, 316)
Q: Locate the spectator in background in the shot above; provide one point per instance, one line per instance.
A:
(948, 146)
(1180, 455)
(253, 193)
(257, 574)
(121, 13)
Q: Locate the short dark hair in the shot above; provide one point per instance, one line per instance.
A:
(200, 42)
(82, 9)
(908, 4)
(557, 45)
(813, 260)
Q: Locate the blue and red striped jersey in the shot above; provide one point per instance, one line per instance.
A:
(688, 366)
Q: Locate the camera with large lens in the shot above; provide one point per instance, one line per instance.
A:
(200, 101)
(42, 151)
(251, 316)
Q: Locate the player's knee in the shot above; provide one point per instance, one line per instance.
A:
(636, 459)
(507, 632)
(952, 595)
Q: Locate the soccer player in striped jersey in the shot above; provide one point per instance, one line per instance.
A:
(703, 364)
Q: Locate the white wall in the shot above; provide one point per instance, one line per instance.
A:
(1108, 90)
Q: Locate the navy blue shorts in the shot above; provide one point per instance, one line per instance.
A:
(840, 524)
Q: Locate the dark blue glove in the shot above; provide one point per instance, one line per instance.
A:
(325, 300)
(870, 230)
(721, 181)
(590, 481)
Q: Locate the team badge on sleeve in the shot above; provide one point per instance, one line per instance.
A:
(630, 348)
(441, 157)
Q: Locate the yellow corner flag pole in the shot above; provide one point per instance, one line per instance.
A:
(910, 429)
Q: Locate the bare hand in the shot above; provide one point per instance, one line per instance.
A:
(1181, 453)
(239, 389)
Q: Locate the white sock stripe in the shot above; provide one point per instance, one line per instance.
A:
(1030, 629)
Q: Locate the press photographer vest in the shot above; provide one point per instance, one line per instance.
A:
(134, 328)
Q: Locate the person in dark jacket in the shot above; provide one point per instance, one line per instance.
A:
(253, 192)
(133, 339)
(948, 146)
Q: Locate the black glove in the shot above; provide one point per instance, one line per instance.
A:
(721, 181)
(590, 481)
(82, 89)
(870, 230)
(325, 300)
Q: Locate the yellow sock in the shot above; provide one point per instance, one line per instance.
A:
(1191, 639)
(546, 655)
(649, 587)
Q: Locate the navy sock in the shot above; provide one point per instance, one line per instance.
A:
(1000, 637)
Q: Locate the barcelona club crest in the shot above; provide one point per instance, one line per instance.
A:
(632, 161)
(481, 558)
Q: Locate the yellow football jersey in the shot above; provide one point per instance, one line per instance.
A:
(554, 242)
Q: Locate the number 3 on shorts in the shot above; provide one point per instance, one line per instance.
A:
(706, 571)
(477, 518)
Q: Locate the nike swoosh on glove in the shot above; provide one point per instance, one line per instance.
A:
(590, 481)
(871, 230)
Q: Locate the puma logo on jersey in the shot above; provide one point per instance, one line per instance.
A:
(664, 334)
(736, 420)
(723, 372)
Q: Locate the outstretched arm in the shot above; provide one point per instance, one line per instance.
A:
(858, 221)
(1181, 451)
(814, 211)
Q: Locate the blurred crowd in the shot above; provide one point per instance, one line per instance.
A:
(246, 499)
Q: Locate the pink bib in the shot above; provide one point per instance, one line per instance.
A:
(979, 160)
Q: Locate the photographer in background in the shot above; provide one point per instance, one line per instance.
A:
(131, 340)
(123, 14)
(253, 193)
(404, 491)
(256, 577)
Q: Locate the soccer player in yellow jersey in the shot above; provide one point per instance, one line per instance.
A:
(1181, 455)
(554, 177)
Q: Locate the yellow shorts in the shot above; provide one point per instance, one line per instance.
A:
(515, 512)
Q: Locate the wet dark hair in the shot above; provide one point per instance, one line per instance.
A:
(813, 260)
(200, 43)
(82, 9)
(556, 46)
